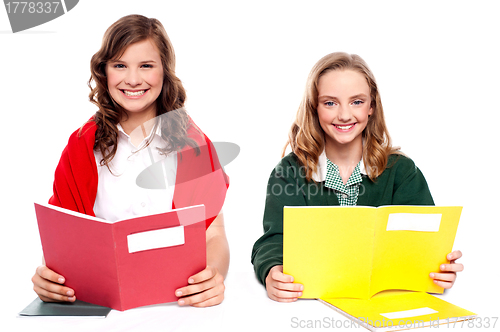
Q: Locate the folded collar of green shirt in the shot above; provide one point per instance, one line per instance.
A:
(321, 169)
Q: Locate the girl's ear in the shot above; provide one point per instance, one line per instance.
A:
(370, 112)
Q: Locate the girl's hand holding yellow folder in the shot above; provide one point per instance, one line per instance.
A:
(447, 279)
(280, 287)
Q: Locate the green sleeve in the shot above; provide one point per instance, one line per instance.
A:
(268, 250)
(410, 185)
(281, 191)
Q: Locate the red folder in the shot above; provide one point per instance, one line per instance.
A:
(125, 264)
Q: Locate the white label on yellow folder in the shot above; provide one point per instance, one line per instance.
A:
(420, 222)
(160, 238)
(409, 313)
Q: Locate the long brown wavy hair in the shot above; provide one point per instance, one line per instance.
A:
(123, 33)
(306, 137)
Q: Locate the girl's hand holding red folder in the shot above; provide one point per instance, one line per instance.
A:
(206, 288)
(49, 286)
(280, 287)
(447, 278)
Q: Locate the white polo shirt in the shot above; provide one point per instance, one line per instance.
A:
(118, 194)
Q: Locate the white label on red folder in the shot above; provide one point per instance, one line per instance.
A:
(409, 313)
(420, 222)
(160, 238)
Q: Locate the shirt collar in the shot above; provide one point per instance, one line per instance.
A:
(157, 131)
(320, 174)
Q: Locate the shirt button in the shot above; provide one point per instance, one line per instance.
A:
(143, 204)
(344, 196)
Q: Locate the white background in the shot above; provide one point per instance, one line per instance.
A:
(244, 66)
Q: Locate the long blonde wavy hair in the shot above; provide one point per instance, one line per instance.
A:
(306, 137)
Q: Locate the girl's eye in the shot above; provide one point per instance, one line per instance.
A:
(329, 103)
(147, 66)
(357, 102)
(119, 65)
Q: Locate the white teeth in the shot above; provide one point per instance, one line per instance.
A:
(344, 127)
(134, 94)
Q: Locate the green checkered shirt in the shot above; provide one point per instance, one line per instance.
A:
(347, 194)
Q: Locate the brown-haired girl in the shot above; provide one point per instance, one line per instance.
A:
(141, 122)
(341, 155)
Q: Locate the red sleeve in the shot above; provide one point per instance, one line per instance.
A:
(75, 178)
(200, 178)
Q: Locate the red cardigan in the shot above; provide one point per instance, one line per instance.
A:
(200, 178)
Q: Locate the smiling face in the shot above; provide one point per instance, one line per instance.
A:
(343, 107)
(135, 79)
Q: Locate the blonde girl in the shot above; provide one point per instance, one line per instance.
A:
(341, 155)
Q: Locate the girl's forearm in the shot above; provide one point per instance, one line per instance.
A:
(217, 246)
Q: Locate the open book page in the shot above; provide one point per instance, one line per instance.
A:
(399, 310)
(410, 243)
(329, 250)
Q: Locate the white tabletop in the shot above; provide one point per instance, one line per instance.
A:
(246, 307)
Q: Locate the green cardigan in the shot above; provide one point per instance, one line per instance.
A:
(401, 183)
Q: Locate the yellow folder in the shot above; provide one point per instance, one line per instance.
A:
(400, 310)
(356, 252)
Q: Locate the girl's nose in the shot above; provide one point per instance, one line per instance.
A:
(344, 113)
(133, 78)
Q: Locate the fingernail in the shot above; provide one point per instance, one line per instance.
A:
(300, 293)
(181, 302)
(301, 287)
(442, 267)
(431, 275)
(178, 293)
(291, 280)
(69, 293)
(61, 280)
(191, 280)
